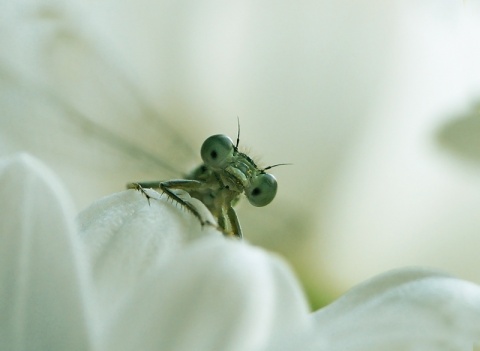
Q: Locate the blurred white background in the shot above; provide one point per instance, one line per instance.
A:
(366, 99)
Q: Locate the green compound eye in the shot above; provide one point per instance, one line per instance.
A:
(216, 150)
(262, 190)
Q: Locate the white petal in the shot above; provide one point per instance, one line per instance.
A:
(216, 295)
(402, 310)
(127, 237)
(42, 296)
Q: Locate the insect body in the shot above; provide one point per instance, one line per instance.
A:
(219, 182)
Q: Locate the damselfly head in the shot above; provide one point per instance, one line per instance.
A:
(222, 156)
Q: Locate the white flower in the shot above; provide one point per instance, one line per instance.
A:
(354, 93)
(147, 277)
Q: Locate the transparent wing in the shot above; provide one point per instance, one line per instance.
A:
(73, 106)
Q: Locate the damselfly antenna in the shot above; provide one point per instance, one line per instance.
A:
(278, 164)
(238, 133)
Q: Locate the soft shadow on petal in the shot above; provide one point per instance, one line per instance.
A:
(215, 295)
(43, 303)
(409, 309)
(460, 134)
(128, 236)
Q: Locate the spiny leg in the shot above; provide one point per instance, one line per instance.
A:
(227, 218)
(140, 188)
(166, 187)
(237, 229)
(228, 221)
(167, 190)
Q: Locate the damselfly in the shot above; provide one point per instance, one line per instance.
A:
(219, 182)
